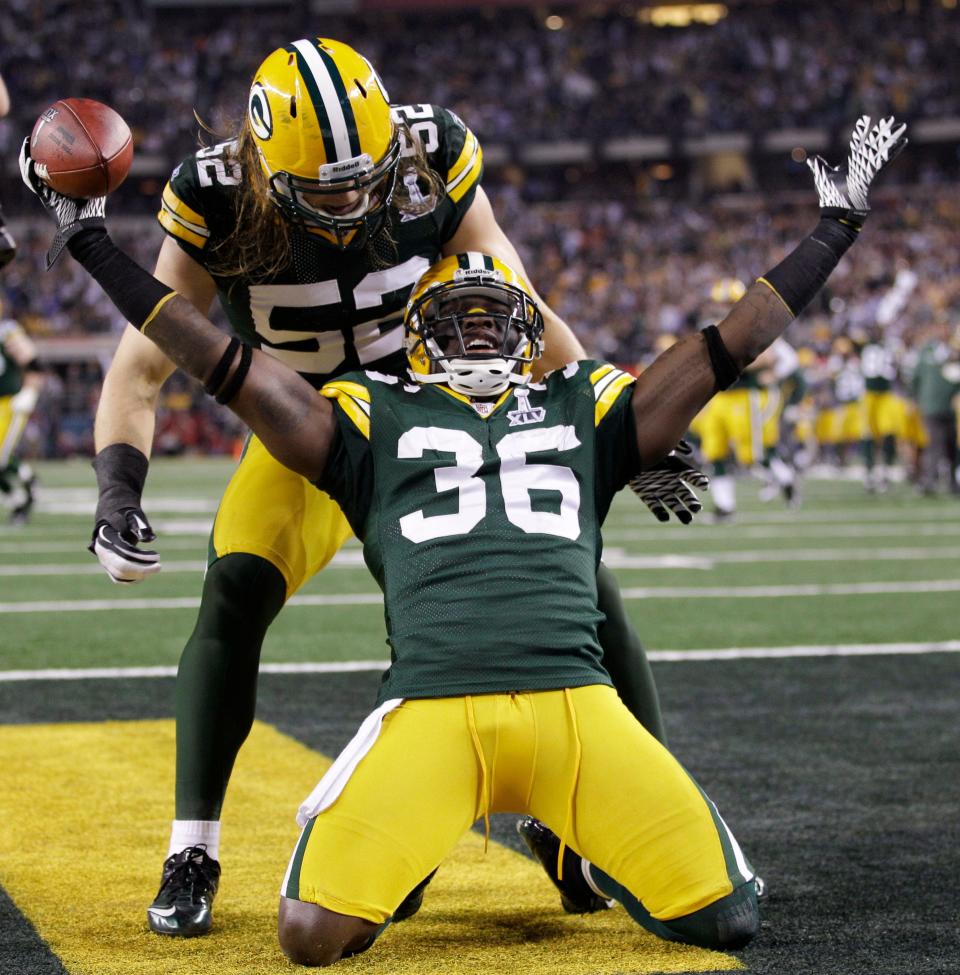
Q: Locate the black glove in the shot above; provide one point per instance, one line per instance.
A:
(843, 189)
(71, 215)
(120, 524)
(670, 485)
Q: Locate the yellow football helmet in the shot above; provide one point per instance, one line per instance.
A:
(320, 118)
(472, 323)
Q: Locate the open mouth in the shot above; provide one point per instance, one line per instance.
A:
(480, 345)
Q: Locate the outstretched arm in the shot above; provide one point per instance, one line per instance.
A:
(675, 388)
(283, 409)
(294, 423)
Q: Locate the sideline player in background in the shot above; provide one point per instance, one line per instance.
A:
(21, 380)
(528, 649)
(311, 228)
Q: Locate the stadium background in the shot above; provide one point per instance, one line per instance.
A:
(637, 155)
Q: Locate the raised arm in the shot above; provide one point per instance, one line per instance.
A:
(675, 388)
(294, 423)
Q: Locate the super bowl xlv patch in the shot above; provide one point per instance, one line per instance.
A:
(525, 413)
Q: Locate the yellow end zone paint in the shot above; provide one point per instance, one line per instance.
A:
(85, 811)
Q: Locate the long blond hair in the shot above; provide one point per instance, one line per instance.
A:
(259, 245)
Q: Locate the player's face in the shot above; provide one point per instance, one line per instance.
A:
(475, 325)
(348, 202)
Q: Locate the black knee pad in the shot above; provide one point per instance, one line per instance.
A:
(729, 923)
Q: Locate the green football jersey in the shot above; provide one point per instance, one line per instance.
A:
(484, 531)
(328, 311)
(11, 375)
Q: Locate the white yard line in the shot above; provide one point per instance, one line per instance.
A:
(738, 532)
(657, 656)
(813, 589)
(615, 558)
(647, 592)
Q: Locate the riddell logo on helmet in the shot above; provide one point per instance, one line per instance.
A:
(348, 167)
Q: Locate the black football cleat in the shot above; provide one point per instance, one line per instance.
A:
(184, 903)
(576, 895)
(413, 901)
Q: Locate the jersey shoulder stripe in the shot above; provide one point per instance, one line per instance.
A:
(353, 399)
(467, 169)
(608, 383)
(181, 220)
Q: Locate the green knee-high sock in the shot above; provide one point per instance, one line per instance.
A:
(216, 689)
(889, 447)
(625, 659)
(727, 923)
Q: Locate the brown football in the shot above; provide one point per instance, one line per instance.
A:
(82, 148)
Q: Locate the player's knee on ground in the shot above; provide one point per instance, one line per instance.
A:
(727, 924)
(312, 935)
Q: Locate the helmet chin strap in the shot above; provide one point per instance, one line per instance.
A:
(476, 377)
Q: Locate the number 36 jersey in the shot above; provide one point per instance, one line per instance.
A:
(484, 531)
(329, 311)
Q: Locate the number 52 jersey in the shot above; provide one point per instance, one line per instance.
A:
(328, 311)
(484, 530)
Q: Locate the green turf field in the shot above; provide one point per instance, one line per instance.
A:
(807, 660)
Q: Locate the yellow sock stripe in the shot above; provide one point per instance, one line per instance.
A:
(777, 293)
(61, 768)
(156, 309)
(610, 396)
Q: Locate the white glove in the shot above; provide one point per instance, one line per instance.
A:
(117, 550)
(70, 215)
(843, 189)
(670, 485)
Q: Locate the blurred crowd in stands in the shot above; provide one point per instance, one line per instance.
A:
(626, 259)
(603, 74)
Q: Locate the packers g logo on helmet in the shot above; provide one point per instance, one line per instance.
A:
(320, 119)
(472, 323)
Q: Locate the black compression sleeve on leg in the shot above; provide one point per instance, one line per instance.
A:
(135, 292)
(803, 272)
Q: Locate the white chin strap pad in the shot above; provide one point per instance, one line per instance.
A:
(485, 377)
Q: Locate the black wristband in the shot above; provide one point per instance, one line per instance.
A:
(804, 271)
(232, 386)
(212, 386)
(725, 370)
(135, 292)
(121, 473)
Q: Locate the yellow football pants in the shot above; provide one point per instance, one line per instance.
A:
(744, 421)
(576, 759)
(885, 415)
(270, 511)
